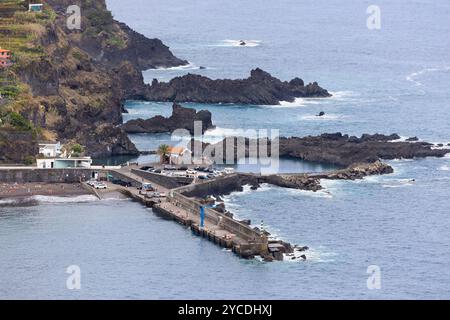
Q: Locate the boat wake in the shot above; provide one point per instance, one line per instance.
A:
(239, 43)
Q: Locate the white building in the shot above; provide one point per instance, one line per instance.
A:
(35, 7)
(50, 149)
(180, 155)
(61, 163)
(51, 156)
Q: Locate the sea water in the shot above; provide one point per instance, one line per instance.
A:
(390, 80)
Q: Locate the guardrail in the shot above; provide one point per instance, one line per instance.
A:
(239, 229)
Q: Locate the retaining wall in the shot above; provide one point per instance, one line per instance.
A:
(67, 175)
(163, 180)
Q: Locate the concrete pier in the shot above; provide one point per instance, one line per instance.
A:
(217, 227)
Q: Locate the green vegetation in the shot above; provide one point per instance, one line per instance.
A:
(100, 20)
(28, 160)
(116, 41)
(163, 152)
(16, 121)
(73, 149)
(19, 30)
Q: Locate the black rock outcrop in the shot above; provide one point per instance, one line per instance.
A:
(338, 149)
(260, 89)
(181, 118)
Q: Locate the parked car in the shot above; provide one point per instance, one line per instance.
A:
(168, 167)
(91, 182)
(147, 187)
(228, 170)
(157, 171)
(121, 183)
(147, 168)
(202, 177)
(100, 185)
(191, 172)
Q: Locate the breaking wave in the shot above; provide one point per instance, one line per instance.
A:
(189, 66)
(412, 77)
(38, 199)
(303, 102)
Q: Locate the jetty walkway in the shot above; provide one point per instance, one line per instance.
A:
(204, 221)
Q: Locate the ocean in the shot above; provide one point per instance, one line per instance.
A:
(392, 80)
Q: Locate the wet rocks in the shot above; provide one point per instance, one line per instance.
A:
(334, 148)
(260, 88)
(346, 150)
(181, 118)
(302, 182)
(359, 171)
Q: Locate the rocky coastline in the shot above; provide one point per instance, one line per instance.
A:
(336, 148)
(79, 80)
(260, 88)
(181, 118)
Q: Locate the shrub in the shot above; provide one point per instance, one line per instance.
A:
(28, 160)
(18, 121)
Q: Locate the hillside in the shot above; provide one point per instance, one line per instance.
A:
(69, 84)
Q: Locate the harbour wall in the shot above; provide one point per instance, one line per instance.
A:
(26, 175)
(163, 180)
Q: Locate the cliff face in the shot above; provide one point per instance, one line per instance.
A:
(75, 86)
(260, 88)
(181, 118)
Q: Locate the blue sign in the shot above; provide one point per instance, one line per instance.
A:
(202, 217)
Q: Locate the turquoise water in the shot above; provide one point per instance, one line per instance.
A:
(391, 80)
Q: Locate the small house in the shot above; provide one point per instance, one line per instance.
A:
(61, 163)
(35, 7)
(180, 155)
(5, 58)
(50, 149)
(5, 54)
(51, 156)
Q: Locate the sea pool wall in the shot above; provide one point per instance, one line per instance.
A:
(45, 175)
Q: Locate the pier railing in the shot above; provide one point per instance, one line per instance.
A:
(241, 230)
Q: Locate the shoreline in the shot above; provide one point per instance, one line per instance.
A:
(22, 191)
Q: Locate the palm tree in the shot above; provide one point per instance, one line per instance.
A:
(163, 151)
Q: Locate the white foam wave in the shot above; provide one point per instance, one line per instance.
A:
(237, 43)
(55, 199)
(7, 201)
(312, 255)
(398, 183)
(298, 102)
(326, 117)
(341, 95)
(302, 102)
(412, 77)
(444, 168)
(445, 145)
(189, 66)
(324, 193)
